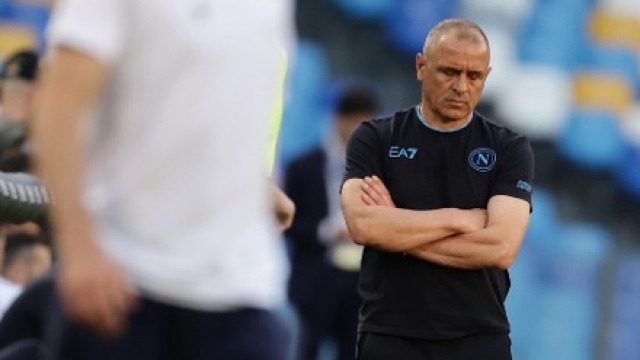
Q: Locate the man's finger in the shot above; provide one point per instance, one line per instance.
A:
(368, 200)
(378, 186)
(378, 200)
(382, 189)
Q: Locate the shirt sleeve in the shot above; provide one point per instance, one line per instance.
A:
(97, 28)
(515, 171)
(363, 153)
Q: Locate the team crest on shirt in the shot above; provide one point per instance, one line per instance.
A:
(483, 159)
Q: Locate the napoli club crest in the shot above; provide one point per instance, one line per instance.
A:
(483, 159)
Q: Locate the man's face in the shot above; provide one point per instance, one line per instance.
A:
(452, 77)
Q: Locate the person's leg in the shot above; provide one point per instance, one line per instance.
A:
(144, 338)
(313, 294)
(477, 347)
(248, 334)
(25, 350)
(346, 316)
(373, 346)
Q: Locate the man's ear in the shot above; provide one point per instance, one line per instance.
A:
(420, 63)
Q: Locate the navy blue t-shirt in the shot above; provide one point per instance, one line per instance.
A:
(424, 169)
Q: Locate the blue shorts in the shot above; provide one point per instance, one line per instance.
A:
(163, 332)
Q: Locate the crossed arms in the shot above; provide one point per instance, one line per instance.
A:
(467, 239)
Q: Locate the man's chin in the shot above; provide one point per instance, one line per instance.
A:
(451, 115)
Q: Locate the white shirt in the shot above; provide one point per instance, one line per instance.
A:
(8, 293)
(175, 173)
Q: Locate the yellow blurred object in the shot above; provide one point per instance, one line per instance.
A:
(603, 91)
(618, 29)
(275, 119)
(15, 37)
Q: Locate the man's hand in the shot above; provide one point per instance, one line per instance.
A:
(94, 291)
(375, 193)
(283, 208)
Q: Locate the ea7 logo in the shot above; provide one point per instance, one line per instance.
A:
(399, 152)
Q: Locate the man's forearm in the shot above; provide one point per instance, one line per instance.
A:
(71, 84)
(480, 249)
(395, 229)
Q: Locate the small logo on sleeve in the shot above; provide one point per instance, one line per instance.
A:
(523, 185)
(483, 159)
(400, 152)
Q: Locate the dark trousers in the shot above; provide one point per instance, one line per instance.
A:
(327, 302)
(25, 350)
(475, 347)
(162, 332)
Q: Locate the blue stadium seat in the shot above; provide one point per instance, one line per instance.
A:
(365, 9)
(628, 170)
(409, 21)
(566, 322)
(303, 124)
(615, 60)
(544, 223)
(592, 140)
(543, 235)
(622, 338)
(4, 9)
(554, 34)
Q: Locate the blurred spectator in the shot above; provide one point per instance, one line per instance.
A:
(17, 94)
(26, 258)
(325, 261)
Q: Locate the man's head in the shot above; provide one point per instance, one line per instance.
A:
(357, 101)
(17, 85)
(26, 258)
(452, 69)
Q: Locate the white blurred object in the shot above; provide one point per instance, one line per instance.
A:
(622, 7)
(631, 125)
(536, 100)
(503, 60)
(508, 14)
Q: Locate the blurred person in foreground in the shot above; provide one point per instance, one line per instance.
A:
(440, 198)
(156, 157)
(325, 261)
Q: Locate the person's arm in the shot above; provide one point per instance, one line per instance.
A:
(383, 226)
(284, 209)
(508, 212)
(494, 246)
(92, 288)
(71, 85)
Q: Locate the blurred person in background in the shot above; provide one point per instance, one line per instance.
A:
(18, 86)
(167, 249)
(440, 197)
(26, 258)
(325, 261)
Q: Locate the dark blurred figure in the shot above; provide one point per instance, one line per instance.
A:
(325, 261)
(18, 84)
(26, 257)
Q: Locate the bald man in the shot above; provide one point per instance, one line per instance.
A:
(440, 198)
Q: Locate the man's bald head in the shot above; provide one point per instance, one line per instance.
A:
(460, 28)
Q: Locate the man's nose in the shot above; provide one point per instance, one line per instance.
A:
(461, 85)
